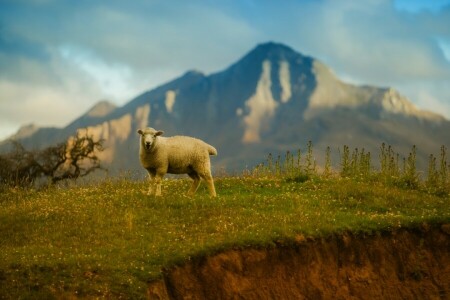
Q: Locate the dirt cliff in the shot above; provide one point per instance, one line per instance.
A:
(400, 264)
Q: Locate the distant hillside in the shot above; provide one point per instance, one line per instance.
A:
(272, 100)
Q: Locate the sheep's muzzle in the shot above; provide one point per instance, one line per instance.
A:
(148, 145)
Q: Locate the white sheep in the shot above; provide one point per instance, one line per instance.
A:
(175, 155)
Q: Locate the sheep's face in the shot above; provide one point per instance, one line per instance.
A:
(148, 137)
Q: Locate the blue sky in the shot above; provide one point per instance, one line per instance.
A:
(58, 58)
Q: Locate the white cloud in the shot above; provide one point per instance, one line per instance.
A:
(376, 42)
(93, 51)
(114, 80)
(371, 42)
(429, 95)
(38, 104)
(186, 35)
(46, 93)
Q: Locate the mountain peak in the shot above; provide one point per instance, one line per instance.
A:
(193, 72)
(274, 51)
(101, 109)
(25, 131)
(273, 46)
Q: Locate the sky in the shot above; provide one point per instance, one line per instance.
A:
(60, 57)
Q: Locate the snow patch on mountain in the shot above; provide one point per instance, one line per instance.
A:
(329, 92)
(285, 81)
(261, 106)
(141, 116)
(170, 100)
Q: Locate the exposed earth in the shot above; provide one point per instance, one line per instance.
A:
(399, 264)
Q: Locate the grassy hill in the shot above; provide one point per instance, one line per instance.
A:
(110, 239)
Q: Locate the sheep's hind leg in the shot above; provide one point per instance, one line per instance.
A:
(195, 183)
(210, 184)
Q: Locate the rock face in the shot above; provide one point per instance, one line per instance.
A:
(404, 264)
(272, 100)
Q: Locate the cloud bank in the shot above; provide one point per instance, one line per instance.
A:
(58, 58)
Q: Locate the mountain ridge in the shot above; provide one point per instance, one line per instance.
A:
(270, 100)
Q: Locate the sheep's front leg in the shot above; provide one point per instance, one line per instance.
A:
(151, 179)
(150, 186)
(158, 179)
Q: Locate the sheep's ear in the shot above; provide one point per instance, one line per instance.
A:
(140, 131)
(159, 133)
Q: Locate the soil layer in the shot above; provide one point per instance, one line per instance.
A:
(400, 264)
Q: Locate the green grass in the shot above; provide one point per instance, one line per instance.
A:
(110, 239)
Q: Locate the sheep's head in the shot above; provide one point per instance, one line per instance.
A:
(148, 137)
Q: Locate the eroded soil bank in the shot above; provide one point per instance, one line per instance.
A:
(403, 264)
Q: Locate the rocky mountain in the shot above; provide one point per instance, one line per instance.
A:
(272, 100)
(25, 131)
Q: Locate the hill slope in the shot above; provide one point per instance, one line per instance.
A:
(109, 239)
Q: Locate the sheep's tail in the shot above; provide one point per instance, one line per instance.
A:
(212, 150)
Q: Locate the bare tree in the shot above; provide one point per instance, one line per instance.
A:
(69, 160)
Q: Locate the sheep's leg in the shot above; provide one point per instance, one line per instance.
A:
(150, 187)
(151, 179)
(195, 183)
(211, 188)
(210, 184)
(158, 180)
